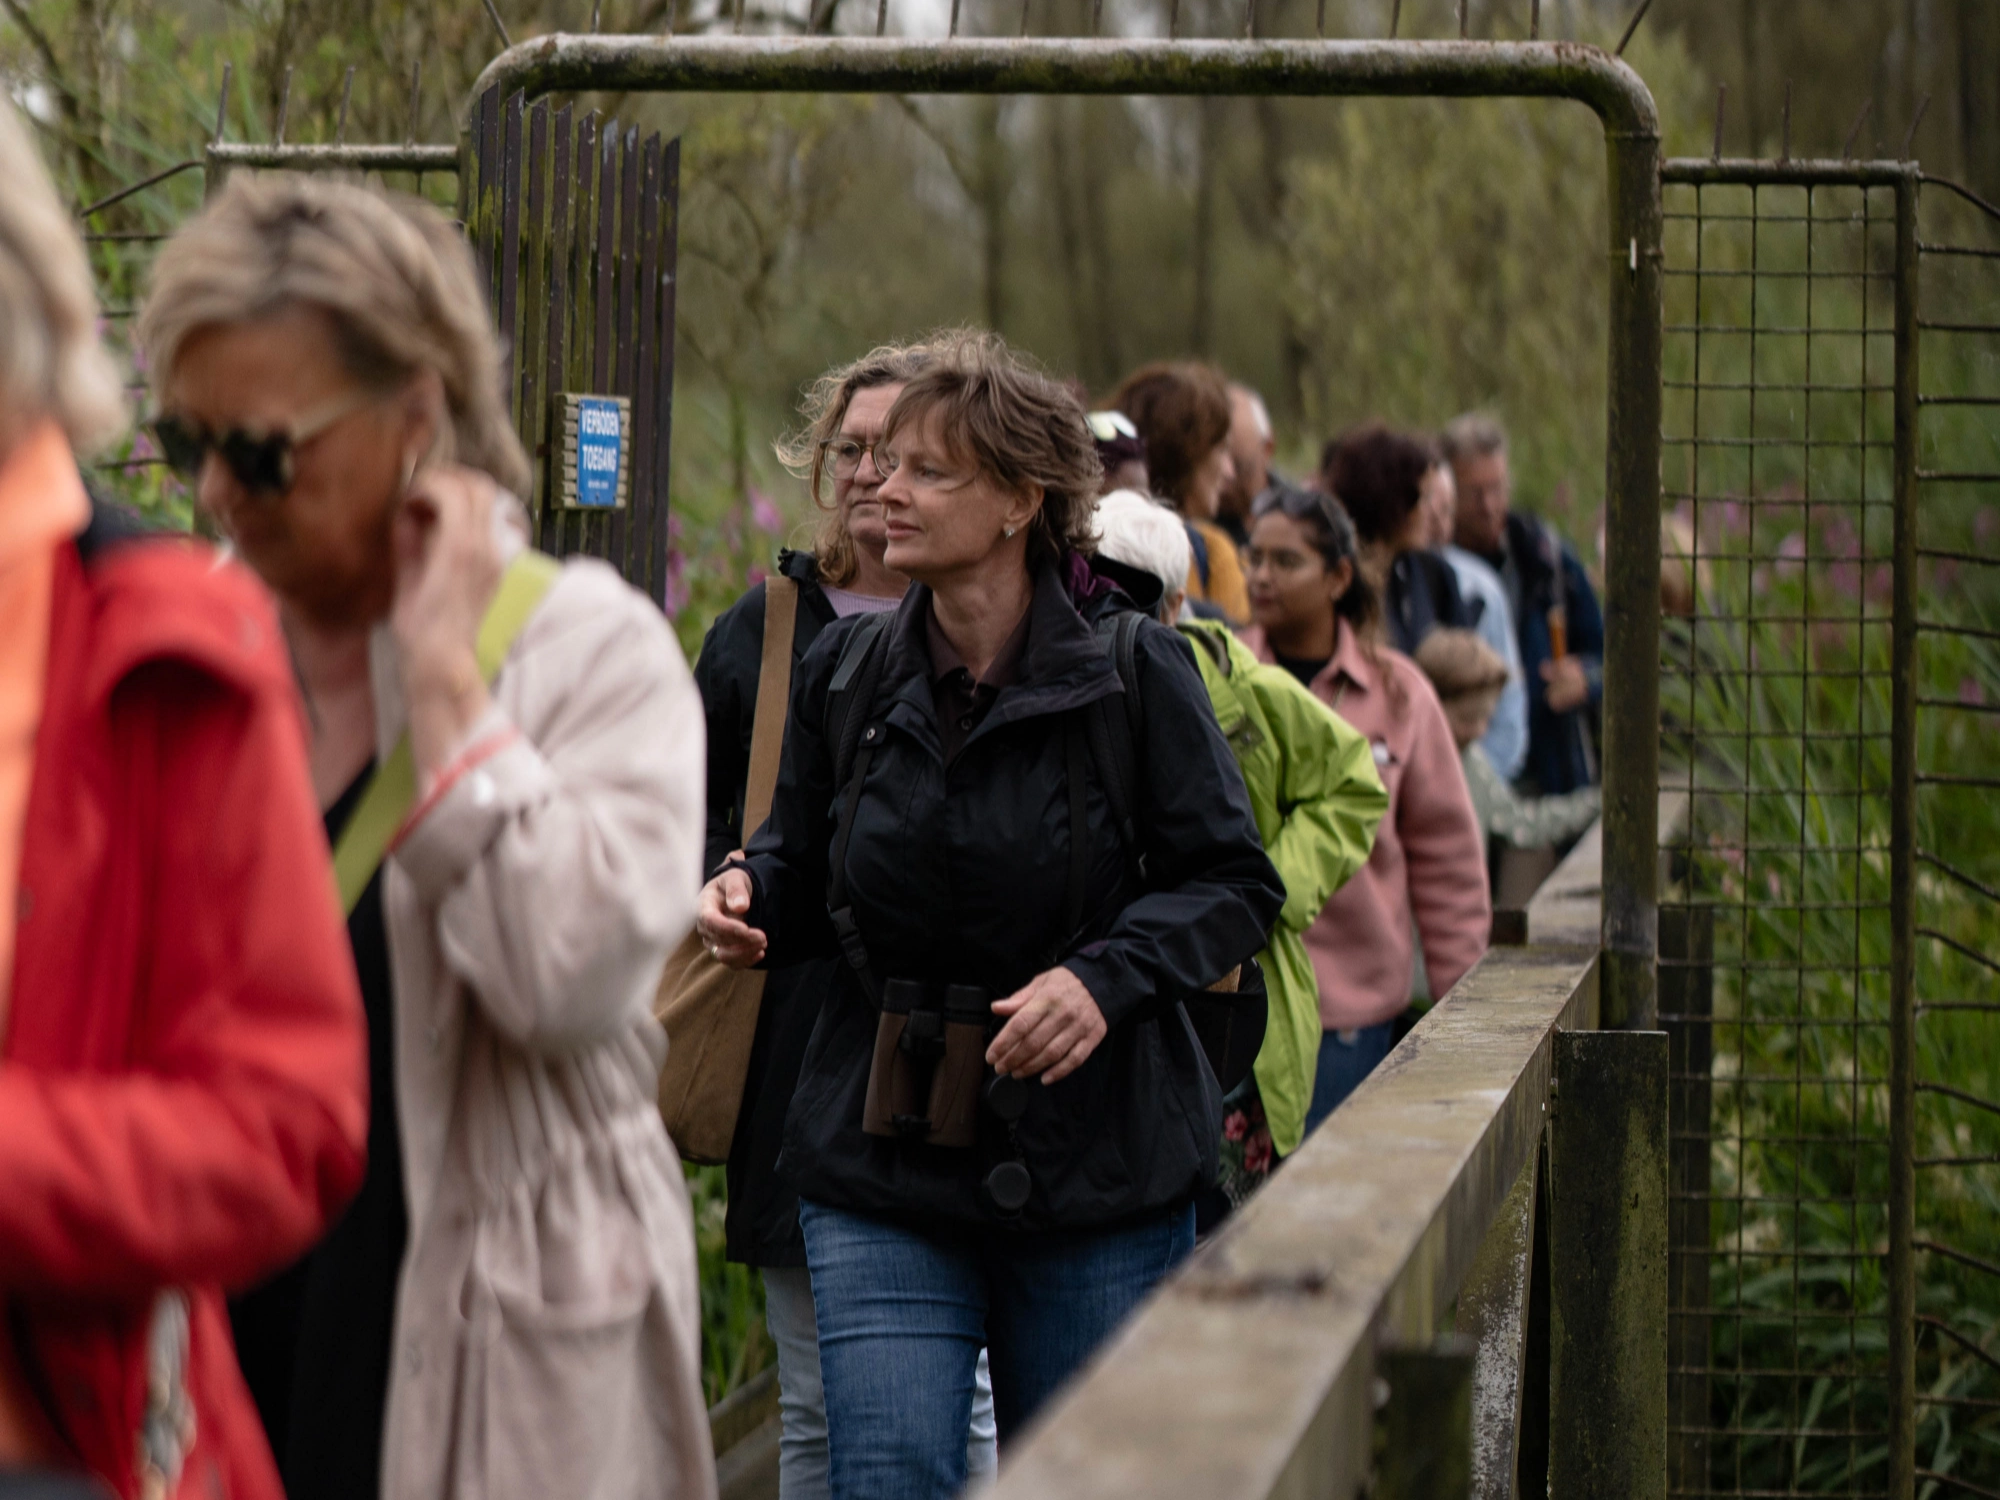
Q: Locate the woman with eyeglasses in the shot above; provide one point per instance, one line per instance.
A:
(1318, 616)
(507, 755)
(842, 576)
(1003, 1114)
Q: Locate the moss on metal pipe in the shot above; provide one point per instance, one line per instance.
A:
(1077, 65)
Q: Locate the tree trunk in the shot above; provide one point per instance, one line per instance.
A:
(1201, 323)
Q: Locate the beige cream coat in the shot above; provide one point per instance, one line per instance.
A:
(548, 1320)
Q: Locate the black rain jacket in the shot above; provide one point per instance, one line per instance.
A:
(961, 875)
(762, 1225)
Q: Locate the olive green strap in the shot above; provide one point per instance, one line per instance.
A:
(392, 790)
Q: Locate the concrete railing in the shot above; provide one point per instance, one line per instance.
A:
(1463, 1269)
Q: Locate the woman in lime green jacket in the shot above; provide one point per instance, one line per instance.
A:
(1317, 798)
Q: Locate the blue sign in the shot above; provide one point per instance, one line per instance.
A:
(600, 451)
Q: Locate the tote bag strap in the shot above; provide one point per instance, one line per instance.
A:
(774, 693)
(392, 790)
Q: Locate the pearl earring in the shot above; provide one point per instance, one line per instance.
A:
(1010, 531)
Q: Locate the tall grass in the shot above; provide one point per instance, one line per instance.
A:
(1777, 702)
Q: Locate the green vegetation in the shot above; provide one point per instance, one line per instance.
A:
(1352, 259)
(1777, 703)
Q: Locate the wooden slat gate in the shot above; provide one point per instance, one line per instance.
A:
(576, 227)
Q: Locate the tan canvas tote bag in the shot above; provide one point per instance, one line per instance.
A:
(708, 1009)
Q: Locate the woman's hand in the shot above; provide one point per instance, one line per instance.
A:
(1053, 1025)
(447, 570)
(719, 919)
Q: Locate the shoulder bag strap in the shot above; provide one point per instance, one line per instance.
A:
(392, 790)
(774, 691)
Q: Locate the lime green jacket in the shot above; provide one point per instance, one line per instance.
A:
(1318, 799)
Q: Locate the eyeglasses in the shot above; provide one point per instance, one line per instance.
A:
(263, 463)
(843, 456)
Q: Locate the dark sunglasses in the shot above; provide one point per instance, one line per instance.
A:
(263, 463)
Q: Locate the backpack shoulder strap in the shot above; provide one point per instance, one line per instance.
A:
(392, 790)
(1116, 730)
(850, 704)
(855, 677)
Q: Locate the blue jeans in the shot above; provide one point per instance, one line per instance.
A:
(788, 1314)
(902, 1315)
(1343, 1064)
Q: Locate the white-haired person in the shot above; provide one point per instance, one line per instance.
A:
(182, 1096)
(1317, 799)
(508, 753)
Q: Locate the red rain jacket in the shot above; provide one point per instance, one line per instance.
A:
(183, 1084)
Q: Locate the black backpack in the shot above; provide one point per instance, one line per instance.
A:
(1229, 1026)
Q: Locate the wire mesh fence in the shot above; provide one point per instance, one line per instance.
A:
(1790, 705)
(1955, 901)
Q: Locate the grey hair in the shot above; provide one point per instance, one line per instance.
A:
(1258, 409)
(52, 363)
(1473, 435)
(1141, 533)
(396, 279)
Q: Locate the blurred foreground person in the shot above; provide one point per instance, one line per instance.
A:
(1181, 411)
(1004, 1113)
(1469, 677)
(181, 1101)
(1318, 800)
(508, 754)
(842, 575)
(1317, 617)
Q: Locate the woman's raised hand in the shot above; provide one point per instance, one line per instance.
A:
(1053, 1025)
(447, 569)
(725, 901)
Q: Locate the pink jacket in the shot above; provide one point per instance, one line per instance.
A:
(1427, 858)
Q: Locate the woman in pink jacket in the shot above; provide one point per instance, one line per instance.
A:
(1318, 617)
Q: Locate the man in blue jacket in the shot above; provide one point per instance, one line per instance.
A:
(1556, 616)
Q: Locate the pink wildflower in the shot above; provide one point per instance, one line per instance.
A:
(764, 515)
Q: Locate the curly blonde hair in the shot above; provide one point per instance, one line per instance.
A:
(51, 363)
(824, 408)
(394, 276)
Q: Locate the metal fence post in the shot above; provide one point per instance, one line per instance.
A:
(1902, 866)
(1632, 584)
(1608, 1267)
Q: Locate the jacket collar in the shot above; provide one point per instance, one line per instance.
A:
(1349, 663)
(1062, 666)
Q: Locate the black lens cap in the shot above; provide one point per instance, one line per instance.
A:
(1007, 1187)
(1008, 1097)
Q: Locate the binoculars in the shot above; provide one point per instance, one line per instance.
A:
(928, 1078)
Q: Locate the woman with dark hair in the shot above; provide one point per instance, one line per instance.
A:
(1317, 616)
(1003, 1115)
(1181, 411)
(842, 575)
(1378, 475)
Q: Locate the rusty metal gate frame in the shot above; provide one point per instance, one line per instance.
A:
(1308, 69)
(1843, 805)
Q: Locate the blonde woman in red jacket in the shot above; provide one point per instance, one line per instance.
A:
(1317, 616)
(182, 1082)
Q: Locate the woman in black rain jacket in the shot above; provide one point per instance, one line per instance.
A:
(1003, 1113)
